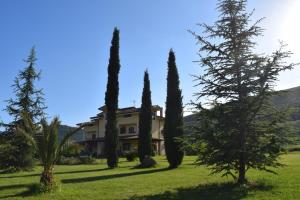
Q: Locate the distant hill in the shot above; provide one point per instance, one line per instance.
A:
(289, 98)
(64, 129)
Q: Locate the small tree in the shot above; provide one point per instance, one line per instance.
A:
(173, 128)
(47, 145)
(145, 121)
(240, 129)
(111, 103)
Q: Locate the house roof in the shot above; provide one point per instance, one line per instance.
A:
(126, 110)
(121, 137)
(121, 111)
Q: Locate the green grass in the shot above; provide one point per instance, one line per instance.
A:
(189, 182)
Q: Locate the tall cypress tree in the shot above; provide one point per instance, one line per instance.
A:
(145, 121)
(240, 129)
(173, 128)
(111, 103)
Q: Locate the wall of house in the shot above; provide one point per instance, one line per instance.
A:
(101, 127)
(157, 128)
(125, 121)
(90, 131)
(133, 121)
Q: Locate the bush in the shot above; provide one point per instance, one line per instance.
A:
(68, 161)
(16, 152)
(87, 160)
(148, 162)
(131, 155)
(73, 150)
(76, 160)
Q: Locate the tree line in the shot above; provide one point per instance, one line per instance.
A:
(30, 136)
(237, 127)
(174, 114)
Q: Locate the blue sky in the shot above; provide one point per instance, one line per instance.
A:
(72, 40)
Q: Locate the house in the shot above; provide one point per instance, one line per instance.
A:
(128, 127)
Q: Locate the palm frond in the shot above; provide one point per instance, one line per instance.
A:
(65, 139)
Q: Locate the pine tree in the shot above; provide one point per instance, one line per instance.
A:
(173, 128)
(28, 100)
(111, 103)
(145, 121)
(240, 129)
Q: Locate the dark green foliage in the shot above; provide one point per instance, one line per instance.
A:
(76, 160)
(131, 155)
(238, 129)
(111, 103)
(73, 150)
(147, 162)
(173, 128)
(145, 121)
(15, 152)
(28, 99)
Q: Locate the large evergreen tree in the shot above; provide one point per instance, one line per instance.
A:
(239, 130)
(28, 100)
(173, 128)
(111, 103)
(145, 121)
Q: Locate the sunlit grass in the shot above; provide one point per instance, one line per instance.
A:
(187, 182)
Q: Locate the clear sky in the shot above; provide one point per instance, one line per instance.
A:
(72, 40)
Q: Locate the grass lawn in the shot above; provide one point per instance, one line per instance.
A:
(89, 182)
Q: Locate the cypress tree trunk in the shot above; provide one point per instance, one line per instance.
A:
(111, 103)
(173, 122)
(145, 121)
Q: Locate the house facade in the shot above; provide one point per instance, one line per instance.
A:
(128, 127)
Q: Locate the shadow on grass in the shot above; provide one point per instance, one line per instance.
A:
(69, 172)
(7, 187)
(224, 191)
(111, 176)
(25, 193)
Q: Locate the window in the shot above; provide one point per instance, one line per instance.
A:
(123, 130)
(131, 129)
(94, 136)
(127, 115)
(126, 146)
(153, 115)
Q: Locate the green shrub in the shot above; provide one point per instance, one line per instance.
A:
(16, 152)
(148, 162)
(76, 160)
(73, 150)
(68, 161)
(131, 155)
(87, 160)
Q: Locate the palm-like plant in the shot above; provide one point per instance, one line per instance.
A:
(46, 142)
